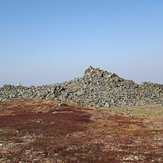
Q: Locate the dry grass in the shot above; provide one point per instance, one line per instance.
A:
(33, 130)
(141, 111)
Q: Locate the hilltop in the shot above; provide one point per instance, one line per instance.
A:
(40, 124)
(97, 88)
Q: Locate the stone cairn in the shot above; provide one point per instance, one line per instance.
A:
(97, 88)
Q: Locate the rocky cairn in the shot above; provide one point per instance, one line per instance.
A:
(97, 88)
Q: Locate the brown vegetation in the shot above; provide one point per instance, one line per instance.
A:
(33, 130)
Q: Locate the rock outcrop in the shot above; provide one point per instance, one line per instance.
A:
(97, 88)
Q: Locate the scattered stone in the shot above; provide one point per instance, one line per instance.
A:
(37, 120)
(97, 88)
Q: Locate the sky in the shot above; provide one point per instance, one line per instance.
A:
(52, 41)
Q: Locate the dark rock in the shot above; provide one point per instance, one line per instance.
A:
(96, 88)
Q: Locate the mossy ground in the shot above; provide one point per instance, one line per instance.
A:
(33, 130)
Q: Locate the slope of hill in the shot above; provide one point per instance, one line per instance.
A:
(34, 130)
(97, 88)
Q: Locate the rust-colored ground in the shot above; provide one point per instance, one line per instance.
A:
(33, 130)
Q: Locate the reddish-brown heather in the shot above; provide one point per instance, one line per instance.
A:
(33, 130)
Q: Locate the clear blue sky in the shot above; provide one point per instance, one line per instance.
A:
(49, 41)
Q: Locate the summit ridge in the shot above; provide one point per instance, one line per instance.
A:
(97, 88)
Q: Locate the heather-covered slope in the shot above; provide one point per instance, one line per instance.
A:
(34, 130)
(97, 88)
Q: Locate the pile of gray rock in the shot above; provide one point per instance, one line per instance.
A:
(97, 88)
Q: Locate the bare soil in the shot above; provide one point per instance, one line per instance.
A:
(33, 130)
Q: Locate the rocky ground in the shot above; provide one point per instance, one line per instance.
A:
(97, 88)
(35, 130)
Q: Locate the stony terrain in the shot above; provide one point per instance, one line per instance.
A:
(38, 131)
(97, 88)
